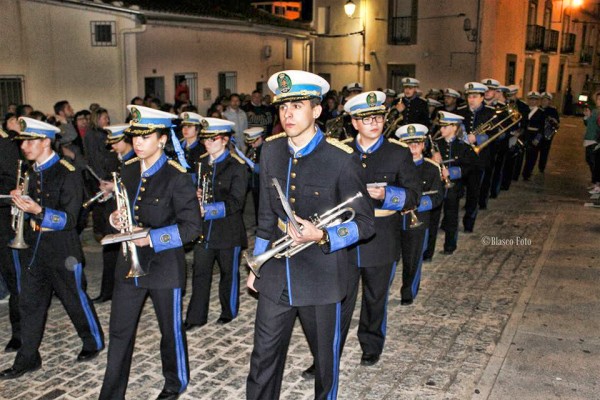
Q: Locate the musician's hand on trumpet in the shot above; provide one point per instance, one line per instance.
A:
(118, 219)
(107, 187)
(250, 282)
(309, 233)
(25, 204)
(472, 138)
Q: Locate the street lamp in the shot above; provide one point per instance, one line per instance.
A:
(349, 8)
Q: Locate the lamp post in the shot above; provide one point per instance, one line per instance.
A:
(349, 8)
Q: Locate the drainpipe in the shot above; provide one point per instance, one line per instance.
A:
(130, 62)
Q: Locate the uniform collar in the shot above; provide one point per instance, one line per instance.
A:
(128, 156)
(306, 150)
(155, 167)
(419, 161)
(452, 139)
(478, 108)
(373, 147)
(220, 158)
(191, 146)
(50, 161)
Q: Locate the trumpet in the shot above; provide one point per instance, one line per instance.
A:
(18, 217)
(414, 221)
(392, 124)
(98, 197)
(335, 127)
(285, 247)
(127, 233)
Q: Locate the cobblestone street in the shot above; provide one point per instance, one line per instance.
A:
(438, 348)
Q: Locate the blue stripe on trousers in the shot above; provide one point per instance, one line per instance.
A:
(17, 263)
(233, 296)
(417, 278)
(86, 308)
(387, 296)
(332, 395)
(179, 350)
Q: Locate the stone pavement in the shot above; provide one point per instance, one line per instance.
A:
(488, 322)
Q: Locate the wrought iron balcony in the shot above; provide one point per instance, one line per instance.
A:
(585, 57)
(550, 41)
(535, 38)
(568, 43)
(402, 30)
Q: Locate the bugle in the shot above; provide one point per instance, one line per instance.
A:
(285, 246)
(127, 233)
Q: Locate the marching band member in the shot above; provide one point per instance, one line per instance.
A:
(192, 146)
(551, 124)
(223, 231)
(413, 239)
(501, 144)
(413, 108)
(121, 145)
(475, 113)
(533, 134)
(514, 159)
(491, 99)
(254, 140)
(458, 157)
(53, 262)
(162, 198)
(316, 173)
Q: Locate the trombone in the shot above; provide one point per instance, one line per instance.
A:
(512, 114)
(285, 247)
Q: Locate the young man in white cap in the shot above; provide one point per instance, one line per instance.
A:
(223, 231)
(514, 159)
(53, 262)
(451, 97)
(414, 233)
(551, 125)
(316, 174)
(533, 134)
(413, 108)
(459, 158)
(475, 113)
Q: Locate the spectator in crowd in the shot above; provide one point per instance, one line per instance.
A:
(24, 110)
(10, 124)
(11, 108)
(236, 115)
(591, 142)
(155, 103)
(259, 114)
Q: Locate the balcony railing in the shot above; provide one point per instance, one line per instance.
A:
(535, 37)
(402, 30)
(568, 43)
(550, 41)
(585, 57)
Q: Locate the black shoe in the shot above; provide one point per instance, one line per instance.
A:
(427, 259)
(468, 230)
(223, 321)
(406, 302)
(369, 359)
(448, 252)
(13, 372)
(309, 373)
(101, 299)
(86, 355)
(483, 207)
(13, 345)
(168, 395)
(190, 327)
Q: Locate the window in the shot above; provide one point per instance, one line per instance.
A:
(103, 33)
(155, 87)
(227, 83)
(289, 48)
(543, 75)
(548, 14)
(532, 12)
(398, 71)
(402, 23)
(191, 79)
(561, 75)
(279, 10)
(11, 91)
(511, 69)
(323, 20)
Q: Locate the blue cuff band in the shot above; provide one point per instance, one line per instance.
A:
(256, 168)
(395, 198)
(455, 173)
(342, 235)
(165, 238)
(55, 220)
(425, 204)
(260, 246)
(214, 210)
(481, 138)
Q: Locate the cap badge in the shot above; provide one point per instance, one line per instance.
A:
(136, 116)
(470, 86)
(204, 124)
(284, 83)
(440, 116)
(372, 99)
(22, 125)
(488, 82)
(411, 130)
(186, 116)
